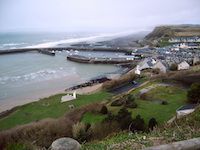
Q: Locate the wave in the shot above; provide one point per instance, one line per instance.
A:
(40, 75)
(12, 44)
(96, 38)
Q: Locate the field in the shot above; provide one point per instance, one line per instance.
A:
(174, 96)
(47, 108)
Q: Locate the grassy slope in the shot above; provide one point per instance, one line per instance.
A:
(175, 97)
(185, 128)
(47, 108)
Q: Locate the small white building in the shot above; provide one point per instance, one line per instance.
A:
(183, 66)
(68, 97)
(137, 70)
(159, 65)
(185, 110)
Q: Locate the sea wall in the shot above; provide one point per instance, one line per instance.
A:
(93, 60)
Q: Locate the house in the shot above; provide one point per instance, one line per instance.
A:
(185, 110)
(137, 70)
(183, 65)
(151, 63)
(196, 59)
(147, 63)
(161, 66)
(68, 97)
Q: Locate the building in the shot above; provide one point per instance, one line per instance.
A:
(185, 110)
(159, 65)
(151, 63)
(183, 66)
(196, 59)
(137, 70)
(68, 97)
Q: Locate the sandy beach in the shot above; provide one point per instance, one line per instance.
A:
(10, 103)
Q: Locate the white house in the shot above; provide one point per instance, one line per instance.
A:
(185, 110)
(183, 65)
(137, 70)
(160, 66)
(195, 60)
(68, 97)
(150, 63)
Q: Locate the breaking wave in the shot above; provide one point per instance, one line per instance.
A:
(40, 75)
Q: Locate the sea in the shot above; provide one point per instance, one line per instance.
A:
(25, 77)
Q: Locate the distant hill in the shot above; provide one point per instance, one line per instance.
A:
(168, 31)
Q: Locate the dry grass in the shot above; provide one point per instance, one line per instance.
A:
(44, 132)
(117, 82)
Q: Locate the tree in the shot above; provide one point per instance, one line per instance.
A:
(124, 118)
(193, 94)
(173, 67)
(137, 124)
(104, 110)
(152, 123)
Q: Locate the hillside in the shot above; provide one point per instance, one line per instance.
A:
(166, 32)
(182, 129)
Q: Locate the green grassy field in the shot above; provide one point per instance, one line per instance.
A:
(175, 96)
(92, 118)
(50, 107)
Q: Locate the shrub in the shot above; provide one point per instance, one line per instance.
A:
(110, 117)
(144, 96)
(117, 102)
(101, 130)
(104, 110)
(115, 83)
(156, 71)
(193, 94)
(124, 118)
(173, 67)
(126, 101)
(79, 131)
(164, 102)
(137, 124)
(152, 123)
(131, 105)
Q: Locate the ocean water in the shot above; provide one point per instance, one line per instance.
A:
(29, 76)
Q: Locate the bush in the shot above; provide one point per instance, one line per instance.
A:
(124, 118)
(137, 124)
(101, 130)
(117, 102)
(152, 123)
(110, 117)
(126, 101)
(79, 131)
(193, 94)
(164, 102)
(115, 83)
(173, 67)
(104, 110)
(156, 71)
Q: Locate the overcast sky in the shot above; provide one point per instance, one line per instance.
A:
(95, 15)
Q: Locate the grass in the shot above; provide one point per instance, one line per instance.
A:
(50, 107)
(147, 109)
(93, 118)
(164, 42)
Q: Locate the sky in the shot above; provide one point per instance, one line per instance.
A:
(95, 15)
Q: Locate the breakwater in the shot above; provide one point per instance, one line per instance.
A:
(49, 51)
(95, 60)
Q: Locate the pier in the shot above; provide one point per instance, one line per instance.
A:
(95, 60)
(51, 50)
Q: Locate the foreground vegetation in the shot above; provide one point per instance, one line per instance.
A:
(182, 129)
(50, 107)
